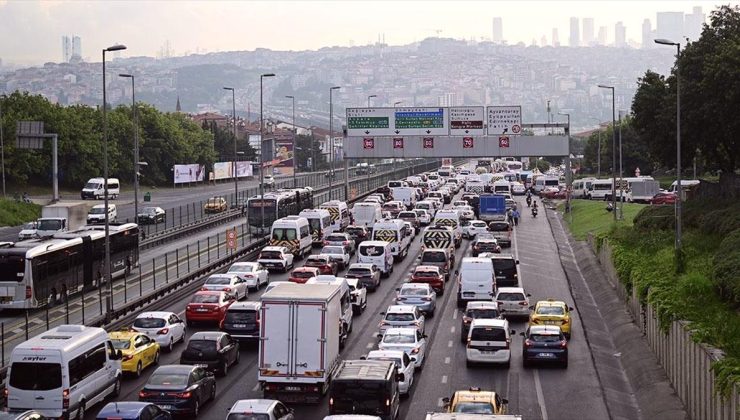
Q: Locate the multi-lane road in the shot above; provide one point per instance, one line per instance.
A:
(540, 393)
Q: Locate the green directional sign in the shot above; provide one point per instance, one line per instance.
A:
(360, 123)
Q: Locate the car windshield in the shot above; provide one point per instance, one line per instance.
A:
(371, 250)
(488, 334)
(336, 238)
(399, 339)
(479, 224)
(202, 345)
(315, 260)
(482, 313)
(168, 379)
(121, 344)
(510, 297)
(486, 236)
(31, 225)
(359, 272)
(283, 234)
(420, 273)
(92, 185)
(504, 264)
(97, 210)
(240, 269)
(35, 376)
(355, 230)
(270, 255)
(149, 210)
(407, 215)
(50, 224)
(550, 310)
(420, 213)
(248, 416)
(332, 250)
(218, 280)
(474, 408)
(499, 226)
(413, 291)
(149, 323)
(545, 338)
(205, 298)
(303, 274)
(433, 257)
(399, 317)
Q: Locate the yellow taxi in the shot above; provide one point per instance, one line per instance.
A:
(552, 312)
(215, 205)
(475, 401)
(139, 351)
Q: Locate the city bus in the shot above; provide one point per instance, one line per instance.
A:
(38, 272)
(276, 205)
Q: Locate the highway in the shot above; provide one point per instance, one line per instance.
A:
(540, 393)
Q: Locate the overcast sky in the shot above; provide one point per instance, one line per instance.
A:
(31, 30)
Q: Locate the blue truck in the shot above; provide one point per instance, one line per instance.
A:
(492, 207)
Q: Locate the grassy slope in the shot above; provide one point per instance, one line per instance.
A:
(591, 216)
(13, 213)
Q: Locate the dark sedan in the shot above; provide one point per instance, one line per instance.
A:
(358, 233)
(132, 410)
(212, 350)
(151, 215)
(545, 343)
(179, 389)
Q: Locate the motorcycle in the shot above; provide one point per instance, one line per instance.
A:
(529, 201)
(534, 211)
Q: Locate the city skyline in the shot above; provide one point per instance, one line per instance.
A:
(220, 25)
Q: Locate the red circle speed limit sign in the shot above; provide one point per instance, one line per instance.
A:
(516, 129)
(231, 238)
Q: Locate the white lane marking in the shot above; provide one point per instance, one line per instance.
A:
(447, 360)
(452, 330)
(256, 387)
(444, 379)
(370, 345)
(540, 395)
(449, 343)
(454, 314)
(181, 314)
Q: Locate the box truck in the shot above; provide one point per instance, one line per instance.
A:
(61, 217)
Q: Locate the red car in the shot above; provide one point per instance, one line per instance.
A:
(323, 263)
(431, 275)
(208, 306)
(664, 198)
(302, 274)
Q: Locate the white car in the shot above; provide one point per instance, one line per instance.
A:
(97, 214)
(399, 316)
(458, 203)
(517, 188)
(473, 228)
(489, 341)
(424, 216)
(437, 201)
(411, 228)
(404, 365)
(268, 181)
(252, 272)
(28, 231)
(339, 254)
(166, 328)
(513, 301)
(466, 212)
(358, 294)
(260, 409)
(410, 340)
(229, 283)
(276, 258)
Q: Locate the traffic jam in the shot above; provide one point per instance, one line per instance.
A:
(292, 314)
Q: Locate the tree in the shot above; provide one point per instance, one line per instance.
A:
(654, 120)
(308, 147)
(542, 165)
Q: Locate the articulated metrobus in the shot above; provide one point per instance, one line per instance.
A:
(276, 205)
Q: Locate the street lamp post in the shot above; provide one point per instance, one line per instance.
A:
(621, 190)
(598, 150)
(368, 99)
(614, 153)
(236, 177)
(678, 140)
(262, 158)
(107, 277)
(135, 115)
(568, 171)
(2, 146)
(295, 159)
(331, 137)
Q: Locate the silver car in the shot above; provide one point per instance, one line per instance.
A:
(421, 295)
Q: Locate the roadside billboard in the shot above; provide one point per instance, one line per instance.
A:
(222, 170)
(189, 173)
(283, 161)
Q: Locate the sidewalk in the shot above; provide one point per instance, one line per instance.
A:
(629, 372)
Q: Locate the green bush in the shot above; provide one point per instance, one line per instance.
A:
(14, 213)
(652, 218)
(726, 269)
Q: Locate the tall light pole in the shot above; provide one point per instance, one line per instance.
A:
(598, 150)
(107, 277)
(678, 140)
(2, 146)
(368, 99)
(262, 158)
(236, 177)
(331, 136)
(614, 153)
(295, 159)
(621, 190)
(136, 143)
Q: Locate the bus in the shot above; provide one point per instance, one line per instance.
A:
(514, 165)
(40, 272)
(276, 205)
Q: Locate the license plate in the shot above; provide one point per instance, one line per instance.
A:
(552, 322)
(293, 388)
(545, 355)
(468, 293)
(240, 325)
(201, 310)
(202, 365)
(164, 406)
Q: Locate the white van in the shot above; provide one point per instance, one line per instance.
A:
(366, 214)
(346, 299)
(582, 188)
(502, 186)
(97, 214)
(64, 371)
(601, 189)
(476, 280)
(339, 213)
(320, 222)
(451, 218)
(406, 195)
(96, 189)
(396, 233)
(294, 233)
(378, 253)
(545, 181)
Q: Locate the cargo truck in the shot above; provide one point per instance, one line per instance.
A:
(61, 217)
(492, 207)
(463, 416)
(299, 341)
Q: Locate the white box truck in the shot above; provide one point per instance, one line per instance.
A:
(61, 217)
(299, 341)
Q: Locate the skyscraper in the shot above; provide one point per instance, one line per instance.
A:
(647, 34)
(602, 35)
(555, 38)
(669, 26)
(588, 31)
(620, 35)
(66, 49)
(693, 24)
(76, 47)
(575, 33)
(498, 31)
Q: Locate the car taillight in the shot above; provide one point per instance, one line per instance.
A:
(563, 344)
(186, 394)
(415, 350)
(226, 289)
(326, 242)
(426, 299)
(523, 303)
(65, 398)
(382, 323)
(508, 343)
(143, 394)
(331, 401)
(527, 343)
(29, 292)
(128, 357)
(565, 321)
(467, 319)
(345, 242)
(203, 289)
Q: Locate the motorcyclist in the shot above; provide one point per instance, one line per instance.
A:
(529, 200)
